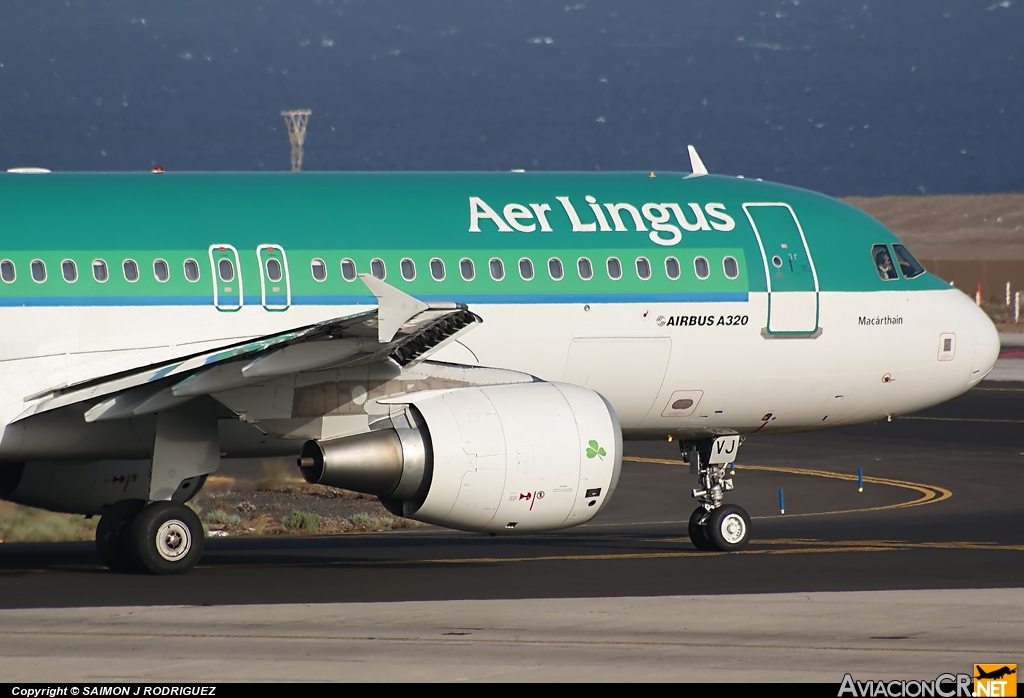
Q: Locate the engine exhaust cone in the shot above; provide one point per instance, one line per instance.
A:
(386, 463)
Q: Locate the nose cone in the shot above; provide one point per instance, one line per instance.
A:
(987, 349)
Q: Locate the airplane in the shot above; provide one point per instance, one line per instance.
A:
(994, 674)
(471, 348)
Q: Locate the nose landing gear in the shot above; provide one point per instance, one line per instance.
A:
(715, 525)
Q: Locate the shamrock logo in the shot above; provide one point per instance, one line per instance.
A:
(593, 449)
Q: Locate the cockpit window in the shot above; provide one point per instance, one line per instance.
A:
(909, 266)
(883, 263)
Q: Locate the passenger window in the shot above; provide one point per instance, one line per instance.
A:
(38, 271)
(467, 269)
(191, 268)
(909, 266)
(378, 269)
(883, 263)
(526, 269)
(131, 271)
(162, 272)
(7, 271)
(225, 269)
(555, 270)
(436, 269)
(348, 269)
(69, 271)
(99, 270)
(585, 268)
(318, 269)
(273, 268)
(701, 268)
(408, 268)
(643, 268)
(497, 269)
(614, 268)
(672, 268)
(730, 267)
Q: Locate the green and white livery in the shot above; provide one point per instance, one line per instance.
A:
(471, 348)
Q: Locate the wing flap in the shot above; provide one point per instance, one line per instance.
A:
(352, 339)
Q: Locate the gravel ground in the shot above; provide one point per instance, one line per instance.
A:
(230, 506)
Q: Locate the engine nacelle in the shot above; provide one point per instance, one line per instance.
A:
(83, 488)
(525, 457)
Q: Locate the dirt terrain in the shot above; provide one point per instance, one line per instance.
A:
(981, 228)
(247, 498)
(282, 504)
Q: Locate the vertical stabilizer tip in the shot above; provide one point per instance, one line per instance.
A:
(696, 164)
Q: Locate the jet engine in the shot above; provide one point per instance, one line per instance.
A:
(523, 457)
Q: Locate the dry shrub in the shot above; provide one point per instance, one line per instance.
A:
(368, 522)
(301, 521)
(220, 517)
(364, 522)
(20, 524)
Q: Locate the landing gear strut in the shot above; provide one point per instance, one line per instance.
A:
(713, 524)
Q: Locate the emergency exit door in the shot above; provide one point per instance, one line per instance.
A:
(788, 267)
(275, 284)
(227, 277)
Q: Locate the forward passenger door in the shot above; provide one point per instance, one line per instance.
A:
(788, 267)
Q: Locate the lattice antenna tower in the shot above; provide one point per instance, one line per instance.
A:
(296, 121)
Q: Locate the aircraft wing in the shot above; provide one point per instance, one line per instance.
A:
(400, 328)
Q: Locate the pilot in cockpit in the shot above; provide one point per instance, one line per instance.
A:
(886, 270)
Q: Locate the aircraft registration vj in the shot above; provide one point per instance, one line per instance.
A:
(470, 348)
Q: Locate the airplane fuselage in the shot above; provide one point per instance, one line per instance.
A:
(695, 305)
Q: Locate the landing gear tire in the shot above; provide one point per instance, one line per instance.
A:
(112, 535)
(166, 538)
(728, 527)
(698, 533)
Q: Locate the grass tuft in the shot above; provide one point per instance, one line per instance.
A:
(223, 518)
(367, 522)
(304, 521)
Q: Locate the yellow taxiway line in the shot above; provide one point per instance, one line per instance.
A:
(780, 546)
(930, 494)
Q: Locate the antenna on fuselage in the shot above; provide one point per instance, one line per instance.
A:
(696, 164)
(296, 121)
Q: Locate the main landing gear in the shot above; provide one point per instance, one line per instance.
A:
(159, 538)
(715, 525)
(165, 536)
